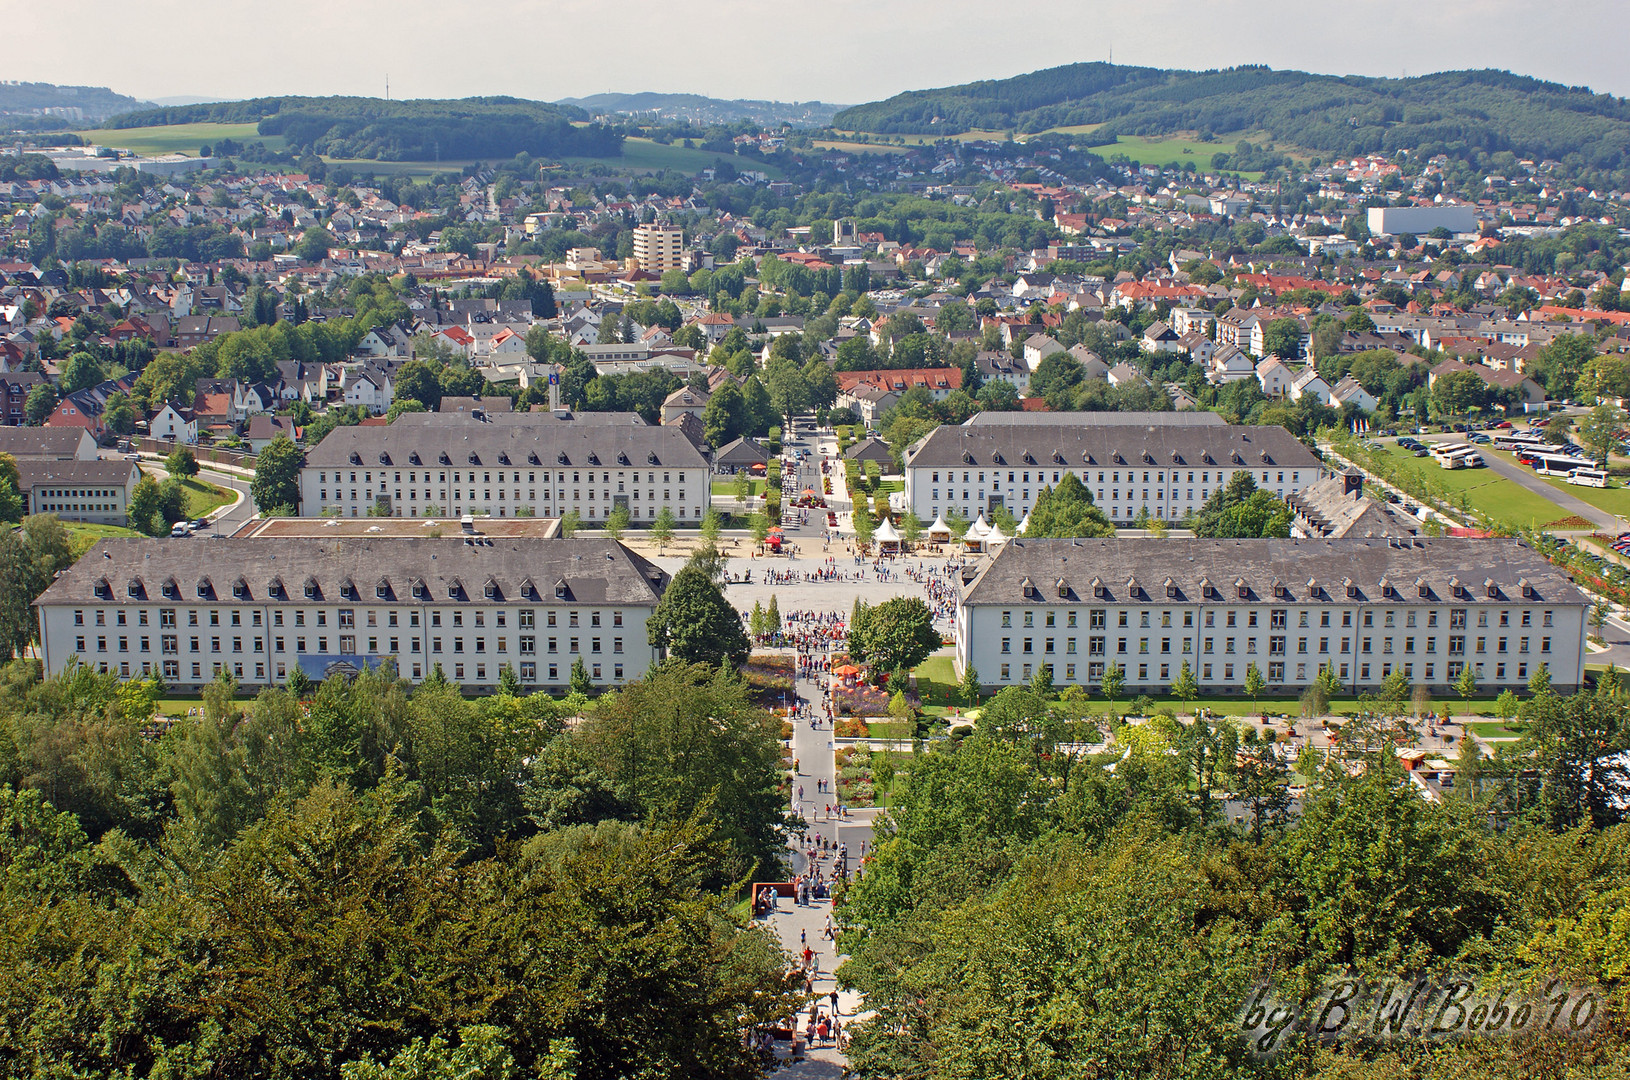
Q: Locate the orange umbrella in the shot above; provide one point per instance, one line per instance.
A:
(846, 669)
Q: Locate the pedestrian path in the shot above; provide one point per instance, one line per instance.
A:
(799, 927)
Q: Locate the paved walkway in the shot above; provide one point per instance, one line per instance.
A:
(801, 927)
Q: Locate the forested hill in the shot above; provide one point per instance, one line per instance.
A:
(1454, 112)
(705, 110)
(48, 103)
(428, 130)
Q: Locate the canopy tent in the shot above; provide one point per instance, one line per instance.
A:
(939, 530)
(1023, 525)
(886, 533)
(978, 530)
(997, 536)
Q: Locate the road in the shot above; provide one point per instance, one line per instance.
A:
(223, 522)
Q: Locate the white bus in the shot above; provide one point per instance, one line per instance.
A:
(1595, 478)
(1559, 464)
(1518, 440)
(1454, 455)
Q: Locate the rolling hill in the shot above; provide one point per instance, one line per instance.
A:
(379, 130)
(1453, 112)
(705, 110)
(48, 105)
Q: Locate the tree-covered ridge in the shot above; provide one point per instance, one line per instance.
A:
(1451, 112)
(427, 130)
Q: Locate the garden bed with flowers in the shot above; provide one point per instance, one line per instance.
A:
(769, 681)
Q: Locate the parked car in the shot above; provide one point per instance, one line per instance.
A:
(1500, 425)
(1421, 451)
(179, 529)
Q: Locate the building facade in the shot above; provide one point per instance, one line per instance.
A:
(659, 248)
(1364, 608)
(259, 609)
(526, 465)
(92, 491)
(1167, 464)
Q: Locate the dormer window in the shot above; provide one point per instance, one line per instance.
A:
(1351, 588)
(133, 588)
(490, 589)
(1456, 588)
(356, 458)
(1527, 588)
(455, 589)
(413, 458)
(1097, 588)
(444, 458)
(172, 591)
(348, 589)
(622, 457)
(1132, 586)
(1242, 590)
(1313, 587)
(503, 459)
(240, 589)
(532, 458)
(1171, 589)
(1385, 585)
(1063, 589)
(475, 458)
(1028, 587)
(529, 590)
(311, 590)
(562, 459)
(1279, 591)
(205, 588)
(1422, 589)
(651, 458)
(560, 589)
(274, 587)
(104, 590)
(419, 590)
(384, 458)
(1490, 590)
(594, 459)
(382, 589)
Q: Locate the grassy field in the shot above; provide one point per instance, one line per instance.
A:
(1496, 729)
(84, 535)
(178, 138)
(1483, 490)
(204, 498)
(643, 155)
(727, 488)
(937, 684)
(859, 147)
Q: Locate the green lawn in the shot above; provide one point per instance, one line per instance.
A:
(1484, 490)
(643, 155)
(937, 684)
(1170, 151)
(178, 138)
(204, 498)
(84, 535)
(1496, 729)
(727, 488)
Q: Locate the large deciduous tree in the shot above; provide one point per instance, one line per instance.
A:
(696, 624)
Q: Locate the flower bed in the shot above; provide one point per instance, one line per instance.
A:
(769, 680)
(855, 783)
(851, 727)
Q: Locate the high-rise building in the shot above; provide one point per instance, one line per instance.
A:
(659, 248)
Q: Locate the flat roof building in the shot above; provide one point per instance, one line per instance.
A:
(1365, 608)
(659, 248)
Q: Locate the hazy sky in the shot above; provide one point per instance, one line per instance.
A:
(836, 50)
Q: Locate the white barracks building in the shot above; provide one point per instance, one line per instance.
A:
(1430, 608)
(260, 608)
(506, 465)
(1165, 463)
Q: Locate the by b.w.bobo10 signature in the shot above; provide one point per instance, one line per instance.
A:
(1352, 1009)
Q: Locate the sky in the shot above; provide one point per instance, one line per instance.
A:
(844, 51)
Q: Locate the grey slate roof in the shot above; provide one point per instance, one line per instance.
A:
(60, 443)
(1096, 419)
(1206, 571)
(1332, 511)
(449, 571)
(1111, 444)
(33, 472)
(522, 439)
